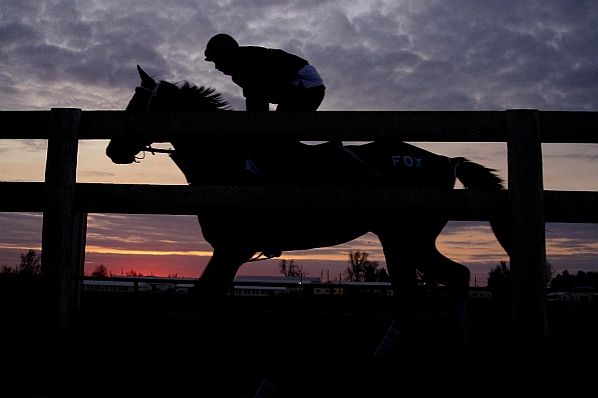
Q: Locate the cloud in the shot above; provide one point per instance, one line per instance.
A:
(388, 55)
(373, 55)
(146, 232)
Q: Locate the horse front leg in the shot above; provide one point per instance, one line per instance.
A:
(212, 287)
(213, 328)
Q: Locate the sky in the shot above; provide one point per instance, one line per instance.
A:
(373, 55)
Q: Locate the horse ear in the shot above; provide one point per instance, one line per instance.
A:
(146, 80)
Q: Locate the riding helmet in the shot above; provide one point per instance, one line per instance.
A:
(219, 44)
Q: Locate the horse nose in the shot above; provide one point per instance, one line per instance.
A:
(122, 151)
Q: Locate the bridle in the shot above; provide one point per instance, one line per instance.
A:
(152, 94)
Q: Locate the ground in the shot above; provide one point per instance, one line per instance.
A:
(159, 345)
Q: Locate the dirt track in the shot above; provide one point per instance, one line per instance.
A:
(158, 345)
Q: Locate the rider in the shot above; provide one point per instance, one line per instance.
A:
(267, 76)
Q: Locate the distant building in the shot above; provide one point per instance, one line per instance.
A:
(114, 286)
(479, 293)
(278, 279)
(183, 287)
(274, 286)
(259, 291)
(370, 289)
(579, 296)
(271, 286)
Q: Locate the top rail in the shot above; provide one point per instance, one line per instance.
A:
(415, 126)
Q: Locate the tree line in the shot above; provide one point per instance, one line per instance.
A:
(30, 264)
(499, 280)
(360, 269)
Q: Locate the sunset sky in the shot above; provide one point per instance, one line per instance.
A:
(373, 55)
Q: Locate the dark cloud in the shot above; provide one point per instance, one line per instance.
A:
(406, 55)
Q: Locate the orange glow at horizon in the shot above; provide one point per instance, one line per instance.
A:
(162, 245)
(126, 252)
(472, 245)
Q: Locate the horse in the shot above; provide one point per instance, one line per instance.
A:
(236, 238)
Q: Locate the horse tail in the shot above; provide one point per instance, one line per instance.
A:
(476, 176)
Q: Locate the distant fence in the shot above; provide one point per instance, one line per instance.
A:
(65, 203)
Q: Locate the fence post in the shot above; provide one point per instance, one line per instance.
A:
(528, 252)
(60, 239)
(79, 242)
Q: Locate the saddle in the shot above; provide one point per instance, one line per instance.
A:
(330, 163)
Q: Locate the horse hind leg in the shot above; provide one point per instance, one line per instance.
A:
(455, 277)
(418, 251)
(400, 263)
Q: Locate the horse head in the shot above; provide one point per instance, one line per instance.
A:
(160, 96)
(123, 149)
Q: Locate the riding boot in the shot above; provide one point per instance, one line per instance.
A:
(394, 338)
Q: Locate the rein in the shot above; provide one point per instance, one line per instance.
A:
(153, 151)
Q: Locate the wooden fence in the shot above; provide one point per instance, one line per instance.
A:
(65, 203)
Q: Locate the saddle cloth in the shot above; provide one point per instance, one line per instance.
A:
(376, 163)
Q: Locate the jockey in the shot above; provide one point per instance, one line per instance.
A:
(267, 76)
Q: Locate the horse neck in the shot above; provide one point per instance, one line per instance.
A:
(205, 161)
(210, 162)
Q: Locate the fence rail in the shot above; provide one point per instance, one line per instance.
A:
(459, 205)
(65, 203)
(416, 126)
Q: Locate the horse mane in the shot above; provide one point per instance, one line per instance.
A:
(187, 96)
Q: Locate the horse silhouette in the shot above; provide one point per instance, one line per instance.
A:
(408, 242)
